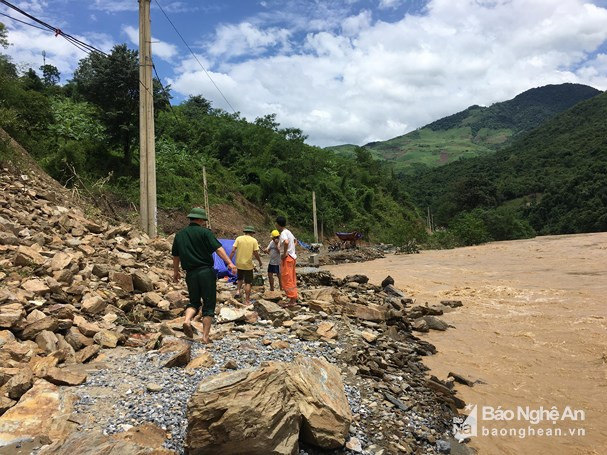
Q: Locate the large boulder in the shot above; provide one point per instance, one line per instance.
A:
(360, 279)
(10, 314)
(60, 261)
(180, 354)
(30, 417)
(93, 304)
(270, 311)
(47, 341)
(123, 280)
(324, 294)
(27, 256)
(63, 376)
(319, 393)
(266, 410)
(107, 339)
(142, 282)
(227, 314)
(47, 323)
(18, 384)
(36, 286)
(366, 312)
(260, 421)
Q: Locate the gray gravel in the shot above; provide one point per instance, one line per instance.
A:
(128, 402)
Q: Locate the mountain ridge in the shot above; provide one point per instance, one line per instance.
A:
(476, 130)
(553, 177)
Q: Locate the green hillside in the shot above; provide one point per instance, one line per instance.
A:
(477, 131)
(86, 133)
(553, 179)
(349, 150)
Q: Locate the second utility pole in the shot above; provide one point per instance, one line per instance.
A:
(147, 143)
(314, 216)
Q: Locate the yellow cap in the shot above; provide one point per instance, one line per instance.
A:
(275, 233)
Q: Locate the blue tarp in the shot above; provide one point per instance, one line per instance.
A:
(220, 268)
(304, 244)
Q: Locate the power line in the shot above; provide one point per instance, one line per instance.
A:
(26, 23)
(85, 47)
(194, 55)
(166, 94)
(81, 45)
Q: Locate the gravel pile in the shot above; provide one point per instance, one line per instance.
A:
(120, 396)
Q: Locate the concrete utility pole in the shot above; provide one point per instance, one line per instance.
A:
(314, 216)
(206, 195)
(147, 143)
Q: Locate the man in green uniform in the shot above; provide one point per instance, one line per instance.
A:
(194, 247)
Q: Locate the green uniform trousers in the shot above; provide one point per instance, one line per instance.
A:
(202, 286)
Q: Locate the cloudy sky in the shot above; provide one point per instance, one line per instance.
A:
(344, 71)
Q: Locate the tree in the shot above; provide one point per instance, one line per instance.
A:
(3, 36)
(50, 75)
(31, 81)
(111, 82)
(196, 107)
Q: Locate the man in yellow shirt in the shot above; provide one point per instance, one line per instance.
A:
(245, 247)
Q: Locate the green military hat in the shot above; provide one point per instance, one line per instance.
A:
(199, 213)
(249, 229)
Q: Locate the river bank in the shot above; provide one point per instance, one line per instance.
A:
(533, 327)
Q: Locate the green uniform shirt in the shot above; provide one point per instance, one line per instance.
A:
(195, 246)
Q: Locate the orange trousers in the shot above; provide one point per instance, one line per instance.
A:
(287, 277)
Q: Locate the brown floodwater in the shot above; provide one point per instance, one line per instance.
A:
(533, 328)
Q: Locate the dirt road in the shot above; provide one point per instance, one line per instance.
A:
(533, 327)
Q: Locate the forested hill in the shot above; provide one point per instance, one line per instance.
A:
(553, 179)
(85, 133)
(477, 130)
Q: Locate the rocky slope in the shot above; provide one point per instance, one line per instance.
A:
(92, 356)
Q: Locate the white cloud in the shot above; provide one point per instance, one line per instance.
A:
(384, 4)
(353, 25)
(32, 6)
(246, 39)
(119, 6)
(115, 6)
(160, 49)
(378, 80)
(179, 7)
(27, 45)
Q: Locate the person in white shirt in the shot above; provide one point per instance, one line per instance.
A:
(288, 279)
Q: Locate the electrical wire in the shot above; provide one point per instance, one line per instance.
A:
(194, 55)
(81, 45)
(26, 23)
(85, 47)
(166, 94)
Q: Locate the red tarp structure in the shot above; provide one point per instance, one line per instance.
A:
(349, 236)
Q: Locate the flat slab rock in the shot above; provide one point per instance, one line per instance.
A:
(133, 442)
(29, 418)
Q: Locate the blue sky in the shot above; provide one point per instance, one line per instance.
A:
(344, 71)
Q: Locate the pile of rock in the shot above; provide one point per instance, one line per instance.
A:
(73, 289)
(382, 358)
(69, 288)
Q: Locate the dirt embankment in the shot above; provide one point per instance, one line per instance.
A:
(533, 327)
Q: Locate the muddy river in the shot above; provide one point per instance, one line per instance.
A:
(533, 328)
